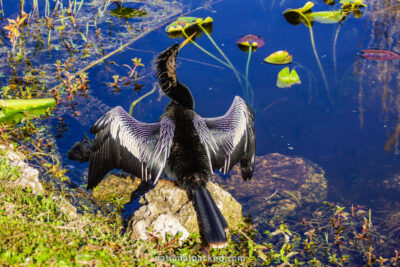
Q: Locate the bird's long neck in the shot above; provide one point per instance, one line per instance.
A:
(166, 73)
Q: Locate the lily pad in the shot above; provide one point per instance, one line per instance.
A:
(287, 79)
(357, 13)
(352, 6)
(250, 40)
(189, 25)
(326, 17)
(356, 3)
(128, 12)
(13, 110)
(279, 58)
(329, 2)
(297, 16)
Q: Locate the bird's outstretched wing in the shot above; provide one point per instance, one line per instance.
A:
(122, 142)
(230, 138)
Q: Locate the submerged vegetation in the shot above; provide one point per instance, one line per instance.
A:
(379, 69)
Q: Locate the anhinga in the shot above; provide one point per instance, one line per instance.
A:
(182, 144)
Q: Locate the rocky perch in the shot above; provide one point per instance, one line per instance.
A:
(280, 184)
(165, 208)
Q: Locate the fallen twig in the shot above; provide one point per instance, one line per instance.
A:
(272, 195)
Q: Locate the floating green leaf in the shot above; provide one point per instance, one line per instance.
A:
(189, 25)
(128, 12)
(287, 79)
(357, 13)
(326, 17)
(182, 23)
(296, 16)
(306, 16)
(12, 110)
(352, 6)
(357, 3)
(279, 57)
(329, 2)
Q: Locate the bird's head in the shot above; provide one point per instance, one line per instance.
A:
(172, 51)
(166, 74)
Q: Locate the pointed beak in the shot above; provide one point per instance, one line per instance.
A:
(187, 40)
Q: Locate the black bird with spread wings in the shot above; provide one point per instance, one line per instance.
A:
(182, 144)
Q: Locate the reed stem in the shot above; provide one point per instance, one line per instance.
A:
(309, 26)
(2, 9)
(247, 71)
(223, 55)
(334, 51)
(205, 51)
(140, 98)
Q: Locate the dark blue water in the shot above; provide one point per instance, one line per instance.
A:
(297, 121)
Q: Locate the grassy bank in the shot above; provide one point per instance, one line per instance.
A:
(39, 230)
(45, 229)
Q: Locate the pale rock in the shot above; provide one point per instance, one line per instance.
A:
(167, 223)
(29, 177)
(66, 207)
(167, 209)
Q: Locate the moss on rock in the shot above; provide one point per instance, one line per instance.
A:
(114, 188)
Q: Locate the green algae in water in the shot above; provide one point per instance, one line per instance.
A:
(128, 12)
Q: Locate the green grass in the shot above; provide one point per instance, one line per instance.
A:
(34, 230)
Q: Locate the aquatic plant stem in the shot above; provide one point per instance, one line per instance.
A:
(334, 51)
(311, 78)
(320, 65)
(247, 71)
(223, 55)
(205, 51)
(2, 9)
(21, 7)
(140, 98)
(309, 26)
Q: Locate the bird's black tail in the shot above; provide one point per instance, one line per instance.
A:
(212, 223)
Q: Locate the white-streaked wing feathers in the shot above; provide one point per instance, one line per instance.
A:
(122, 142)
(230, 138)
